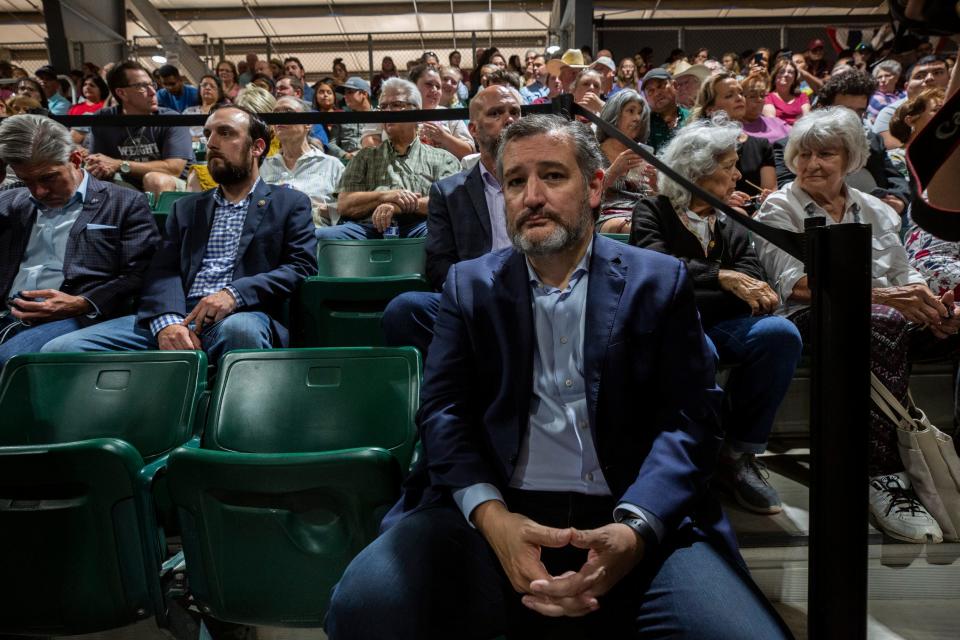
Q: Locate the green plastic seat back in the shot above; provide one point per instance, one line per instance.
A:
(73, 559)
(308, 400)
(345, 312)
(166, 199)
(145, 398)
(267, 536)
(622, 237)
(371, 258)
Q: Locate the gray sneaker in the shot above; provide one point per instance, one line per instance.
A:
(746, 478)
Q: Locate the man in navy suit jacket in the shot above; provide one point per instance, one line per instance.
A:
(465, 219)
(74, 248)
(231, 257)
(569, 421)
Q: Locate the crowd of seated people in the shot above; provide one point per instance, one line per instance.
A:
(84, 267)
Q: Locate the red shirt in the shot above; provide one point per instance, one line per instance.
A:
(789, 112)
(84, 108)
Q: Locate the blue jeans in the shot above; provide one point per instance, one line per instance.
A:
(764, 351)
(433, 576)
(365, 231)
(21, 339)
(408, 320)
(242, 330)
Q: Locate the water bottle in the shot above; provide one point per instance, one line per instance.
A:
(392, 232)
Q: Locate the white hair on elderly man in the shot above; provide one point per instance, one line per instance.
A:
(34, 140)
(403, 90)
(833, 128)
(694, 152)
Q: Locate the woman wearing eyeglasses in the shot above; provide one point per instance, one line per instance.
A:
(754, 122)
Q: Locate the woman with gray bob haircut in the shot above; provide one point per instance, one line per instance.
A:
(907, 319)
(628, 178)
(887, 74)
(736, 305)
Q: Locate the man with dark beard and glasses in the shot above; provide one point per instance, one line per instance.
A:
(465, 219)
(569, 424)
(231, 258)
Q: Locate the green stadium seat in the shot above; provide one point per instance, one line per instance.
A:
(343, 305)
(302, 456)
(80, 551)
(165, 202)
(622, 237)
(145, 398)
(371, 258)
(345, 312)
(151, 199)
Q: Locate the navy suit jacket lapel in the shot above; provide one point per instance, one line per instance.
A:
(200, 228)
(258, 206)
(607, 279)
(92, 205)
(513, 307)
(474, 185)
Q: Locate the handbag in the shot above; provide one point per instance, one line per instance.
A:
(928, 456)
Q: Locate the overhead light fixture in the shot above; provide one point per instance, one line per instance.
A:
(159, 59)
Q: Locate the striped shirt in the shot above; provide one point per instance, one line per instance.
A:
(219, 258)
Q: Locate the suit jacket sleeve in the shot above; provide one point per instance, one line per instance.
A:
(449, 418)
(441, 246)
(298, 260)
(674, 474)
(163, 285)
(138, 241)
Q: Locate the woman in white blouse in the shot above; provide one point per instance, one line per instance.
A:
(824, 146)
(302, 166)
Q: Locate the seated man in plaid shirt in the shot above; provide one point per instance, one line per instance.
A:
(388, 185)
(232, 256)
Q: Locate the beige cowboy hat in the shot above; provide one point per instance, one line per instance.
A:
(572, 58)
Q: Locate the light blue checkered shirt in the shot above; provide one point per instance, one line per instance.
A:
(219, 259)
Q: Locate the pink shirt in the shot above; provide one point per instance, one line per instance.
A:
(787, 111)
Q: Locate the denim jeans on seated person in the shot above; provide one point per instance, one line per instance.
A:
(241, 330)
(408, 320)
(16, 338)
(434, 576)
(764, 351)
(366, 231)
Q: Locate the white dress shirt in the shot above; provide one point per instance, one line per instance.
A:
(787, 209)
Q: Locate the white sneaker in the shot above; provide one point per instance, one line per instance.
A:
(895, 510)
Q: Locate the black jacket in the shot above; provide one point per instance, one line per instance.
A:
(657, 226)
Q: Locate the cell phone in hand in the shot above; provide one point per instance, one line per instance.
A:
(758, 58)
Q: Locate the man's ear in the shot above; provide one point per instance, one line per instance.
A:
(259, 147)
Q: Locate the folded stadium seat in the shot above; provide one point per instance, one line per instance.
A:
(622, 237)
(80, 549)
(119, 414)
(302, 456)
(166, 199)
(343, 305)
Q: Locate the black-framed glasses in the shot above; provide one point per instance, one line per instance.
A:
(397, 105)
(143, 87)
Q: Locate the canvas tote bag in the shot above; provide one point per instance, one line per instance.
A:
(929, 457)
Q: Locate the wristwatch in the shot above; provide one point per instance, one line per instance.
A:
(124, 167)
(643, 529)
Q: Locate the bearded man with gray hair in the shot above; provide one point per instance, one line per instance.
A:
(569, 425)
(74, 248)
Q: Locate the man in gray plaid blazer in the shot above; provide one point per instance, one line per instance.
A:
(73, 249)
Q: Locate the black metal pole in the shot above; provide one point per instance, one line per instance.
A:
(838, 268)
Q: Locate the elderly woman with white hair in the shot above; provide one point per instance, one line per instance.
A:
(735, 302)
(908, 321)
(302, 165)
(628, 177)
